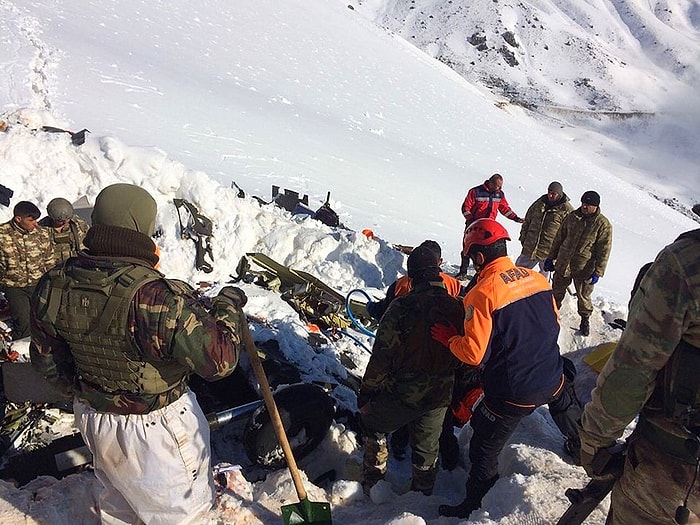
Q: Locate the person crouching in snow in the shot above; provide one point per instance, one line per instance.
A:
(113, 333)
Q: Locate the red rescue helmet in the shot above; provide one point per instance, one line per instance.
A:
(483, 232)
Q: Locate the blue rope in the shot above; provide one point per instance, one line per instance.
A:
(362, 329)
(345, 333)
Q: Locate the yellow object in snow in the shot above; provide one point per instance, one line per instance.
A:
(597, 357)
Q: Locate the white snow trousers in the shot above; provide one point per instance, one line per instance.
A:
(155, 467)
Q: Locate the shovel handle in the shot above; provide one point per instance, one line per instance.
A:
(271, 407)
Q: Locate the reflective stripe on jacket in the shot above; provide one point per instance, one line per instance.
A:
(480, 203)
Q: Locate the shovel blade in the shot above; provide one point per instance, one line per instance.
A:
(317, 513)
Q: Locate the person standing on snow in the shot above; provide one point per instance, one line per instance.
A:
(484, 202)
(466, 379)
(510, 330)
(114, 333)
(653, 373)
(25, 254)
(65, 228)
(580, 253)
(409, 377)
(540, 226)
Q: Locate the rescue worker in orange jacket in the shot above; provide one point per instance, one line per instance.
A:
(511, 327)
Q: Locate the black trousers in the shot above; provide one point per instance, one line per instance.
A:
(495, 420)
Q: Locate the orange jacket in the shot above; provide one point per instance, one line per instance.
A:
(403, 285)
(511, 326)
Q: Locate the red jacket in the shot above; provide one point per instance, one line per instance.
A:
(480, 203)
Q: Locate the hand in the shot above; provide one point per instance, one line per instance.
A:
(442, 333)
(602, 463)
(593, 279)
(548, 265)
(233, 295)
(519, 219)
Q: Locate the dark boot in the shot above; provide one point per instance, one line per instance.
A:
(424, 479)
(585, 327)
(476, 490)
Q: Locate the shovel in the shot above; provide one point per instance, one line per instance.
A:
(305, 511)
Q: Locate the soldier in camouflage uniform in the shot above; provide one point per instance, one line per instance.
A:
(65, 228)
(25, 254)
(409, 378)
(542, 222)
(654, 372)
(510, 328)
(580, 253)
(114, 333)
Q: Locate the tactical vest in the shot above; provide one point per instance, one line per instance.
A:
(89, 309)
(65, 242)
(678, 394)
(681, 386)
(681, 377)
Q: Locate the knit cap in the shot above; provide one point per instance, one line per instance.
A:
(421, 259)
(590, 197)
(556, 187)
(126, 206)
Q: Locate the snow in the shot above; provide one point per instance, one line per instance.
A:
(316, 97)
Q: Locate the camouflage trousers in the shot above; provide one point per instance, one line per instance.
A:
(583, 292)
(652, 486)
(385, 415)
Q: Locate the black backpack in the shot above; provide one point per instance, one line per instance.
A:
(326, 215)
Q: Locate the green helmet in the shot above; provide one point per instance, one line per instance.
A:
(60, 209)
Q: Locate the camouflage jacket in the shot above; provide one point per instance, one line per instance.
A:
(164, 325)
(664, 311)
(69, 240)
(542, 222)
(24, 256)
(582, 245)
(406, 361)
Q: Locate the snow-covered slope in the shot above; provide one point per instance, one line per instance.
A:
(624, 71)
(310, 95)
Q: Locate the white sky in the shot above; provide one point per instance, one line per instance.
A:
(310, 96)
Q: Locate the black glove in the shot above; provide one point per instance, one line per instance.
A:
(548, 265)
(233, 295)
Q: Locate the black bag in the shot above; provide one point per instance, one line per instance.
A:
(5, 195)
(326, 215)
